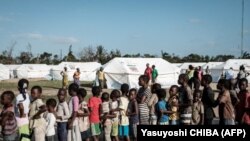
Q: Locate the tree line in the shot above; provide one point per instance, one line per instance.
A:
(101, 55)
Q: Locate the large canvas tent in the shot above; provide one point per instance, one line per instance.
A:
(231, 63)
(87, 69)
(33, 71)
(185, 65)
(127, 70)
(4, 72)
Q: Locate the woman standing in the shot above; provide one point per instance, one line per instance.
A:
(76, 77)
(64, 74)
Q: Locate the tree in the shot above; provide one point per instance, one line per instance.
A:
(246, 55)
(45, 58)
(88, 54)
(25, 57)
(70, 57)
(101, 54)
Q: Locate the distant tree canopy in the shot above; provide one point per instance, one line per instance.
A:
(101, 55)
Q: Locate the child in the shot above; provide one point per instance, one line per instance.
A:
(162, 108)
(151, 104)
(133, 114)
(51, 120)
(226, 109)
(95, 111)
(143, 97)
(173, 105)
(7, 120)
(185, 100)
(37, 109)
(207, 99)
(243, 107)
(83, 115)
(62, 115)
(123, 106)
(22, 104)
(73, 126)
(198, 109)
(114, 110)
(106, 116)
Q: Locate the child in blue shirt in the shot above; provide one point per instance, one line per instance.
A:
(162, 108)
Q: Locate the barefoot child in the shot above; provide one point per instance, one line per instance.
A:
(73, 126)
(37, 109)
(62, 115)
(22, 104)
(198, 109)
(50, 120)
(7, 117)
(95, 112)
(133, 114)
(173, 102)
(83, 115)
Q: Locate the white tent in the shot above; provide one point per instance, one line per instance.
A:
(177, 64)
(127, 70)
(185, 65)
(33, 71)
(12, 69)
(231, 63)
(4, 72)
(87, 69)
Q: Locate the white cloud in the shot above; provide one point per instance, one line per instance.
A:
(53, 39)
(194, 20)
(5, 19)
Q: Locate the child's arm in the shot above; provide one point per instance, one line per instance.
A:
(21, 110)
(42, 109)
(135, 107)
(86, 113)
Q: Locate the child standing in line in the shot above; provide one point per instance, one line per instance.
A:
(185, 100)
(51, 120)
(114, 110)
(22, 104)
(7, 117)
(162, 108)
(243, 107)
(73, 126)
(133, 114)
(123, 107)
(62, 115)
(95, 112)
(151, 104)
(106, 116)
(198, 109)
(173, 102)
(83, 115)
(37, 109)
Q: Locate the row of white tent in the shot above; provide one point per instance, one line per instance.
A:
(119, 70)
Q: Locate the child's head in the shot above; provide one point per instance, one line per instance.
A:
(132, 94)
(243, 84)
(161, 93)
(7, 97)
(81, 93)
(105, 97)
(23, 85)
(223, 84)
(143, 80)
(124, 89)
(206, 80)
(73, 88)
(115, 94)
(173, 91)
(61, 95)
(197, 95)
(96, 91)
(36, 92)
(51, 104)
(183, 79)
(155, 87)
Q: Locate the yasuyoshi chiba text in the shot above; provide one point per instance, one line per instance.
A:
(195, 132)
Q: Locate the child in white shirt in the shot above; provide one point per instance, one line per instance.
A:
(50, 120)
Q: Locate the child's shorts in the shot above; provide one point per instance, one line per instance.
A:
(95, 129)
(86, 134)
(124, 130)
(114, 130)
(133, 129)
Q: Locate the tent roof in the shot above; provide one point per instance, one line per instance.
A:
(235, 64)
(195, 64)
(212, 64)
(83, 66)
(138, 65)
(33, 67)
(3, 67)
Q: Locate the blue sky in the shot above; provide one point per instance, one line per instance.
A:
(207, 27)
